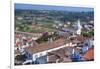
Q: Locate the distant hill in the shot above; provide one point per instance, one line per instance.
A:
(48, 7)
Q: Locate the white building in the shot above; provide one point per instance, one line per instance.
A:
(79, 27)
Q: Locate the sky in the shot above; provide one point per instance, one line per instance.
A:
(48, 7)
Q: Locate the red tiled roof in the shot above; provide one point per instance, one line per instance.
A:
(89, 55)
(17, 36)
(29, 39)
(60, 55)
(18, 43)
(46, 46)
(53, 58)
(79, 38)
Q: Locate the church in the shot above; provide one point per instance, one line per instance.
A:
(79, 27)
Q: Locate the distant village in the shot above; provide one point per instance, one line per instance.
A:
(38, 41)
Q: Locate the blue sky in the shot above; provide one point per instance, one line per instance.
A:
(48, 7)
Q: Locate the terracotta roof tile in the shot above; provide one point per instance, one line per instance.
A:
(89, 55)
(45, 46)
